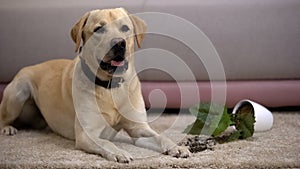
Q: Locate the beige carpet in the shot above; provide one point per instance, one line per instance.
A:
(278, 148)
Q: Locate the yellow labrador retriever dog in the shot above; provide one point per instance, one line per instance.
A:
(92, 97)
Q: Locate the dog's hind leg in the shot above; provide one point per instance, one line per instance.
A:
(14, 97)
(30, 116)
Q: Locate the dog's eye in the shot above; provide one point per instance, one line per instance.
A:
(124, 28)
(100, 29)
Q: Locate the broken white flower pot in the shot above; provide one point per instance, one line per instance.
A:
(263, 117)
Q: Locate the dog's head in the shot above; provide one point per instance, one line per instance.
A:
(108, 39)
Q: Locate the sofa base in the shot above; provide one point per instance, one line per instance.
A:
(279, 93)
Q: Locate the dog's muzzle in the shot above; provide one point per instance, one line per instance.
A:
(117, 62)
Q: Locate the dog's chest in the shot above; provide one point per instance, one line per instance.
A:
(111, 104)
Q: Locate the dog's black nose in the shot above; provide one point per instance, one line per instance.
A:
(118, 42)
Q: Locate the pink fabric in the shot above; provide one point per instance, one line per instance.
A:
(268, 93)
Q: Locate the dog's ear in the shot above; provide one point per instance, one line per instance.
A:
(139, 29)
(76, 32)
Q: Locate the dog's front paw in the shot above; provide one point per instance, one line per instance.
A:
(179, 152)
(9, 131)
(120, 156)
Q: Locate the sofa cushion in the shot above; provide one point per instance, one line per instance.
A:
(256, 40)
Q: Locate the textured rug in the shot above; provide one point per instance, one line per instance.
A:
(277, 148)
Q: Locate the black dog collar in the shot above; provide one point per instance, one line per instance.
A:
(108, 84)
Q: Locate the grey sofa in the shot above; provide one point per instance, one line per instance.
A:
(258, 43)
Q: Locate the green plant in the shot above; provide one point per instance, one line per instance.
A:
(213, 119)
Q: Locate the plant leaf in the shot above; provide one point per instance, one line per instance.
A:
(245, 120)
(212, 119)
(223, 123)
(194, 128)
